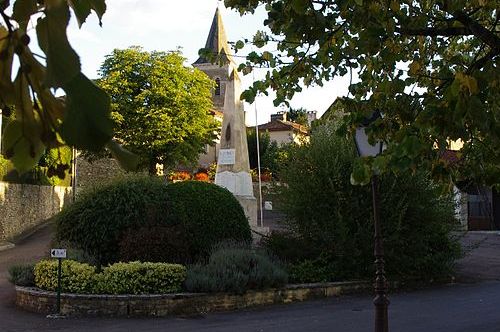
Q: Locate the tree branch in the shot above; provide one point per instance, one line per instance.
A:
(485, 35)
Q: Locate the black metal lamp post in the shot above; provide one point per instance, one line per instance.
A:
(381, 302)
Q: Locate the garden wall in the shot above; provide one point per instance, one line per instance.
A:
(35, 300)
(24, 206)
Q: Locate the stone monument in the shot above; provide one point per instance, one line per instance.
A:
(233, 167)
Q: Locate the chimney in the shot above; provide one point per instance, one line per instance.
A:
(281, 115)
(311, 116)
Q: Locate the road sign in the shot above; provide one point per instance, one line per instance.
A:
(58, 253)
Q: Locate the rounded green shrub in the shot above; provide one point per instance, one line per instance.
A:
(143, 218)
(209, 213)
(96, 221)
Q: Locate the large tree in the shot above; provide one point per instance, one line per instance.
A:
(431, 67)
(161, 108)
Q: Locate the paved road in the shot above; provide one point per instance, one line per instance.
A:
(453, 308)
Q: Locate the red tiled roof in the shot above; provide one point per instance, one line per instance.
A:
(280, 125)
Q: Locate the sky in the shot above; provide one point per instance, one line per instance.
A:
(165, 25)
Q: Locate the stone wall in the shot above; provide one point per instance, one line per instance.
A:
(23, 206)
(39, 301)
(90, 174)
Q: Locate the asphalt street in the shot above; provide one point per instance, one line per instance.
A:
(464, 307)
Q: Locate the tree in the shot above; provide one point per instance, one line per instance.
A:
(161, 108)
(430, 66)
(264, 143)
(41, 120)
(329, 215)
(298, 115)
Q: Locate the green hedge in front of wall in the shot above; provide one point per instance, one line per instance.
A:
(118, 278)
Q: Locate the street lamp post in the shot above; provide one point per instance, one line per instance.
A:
(381, 302)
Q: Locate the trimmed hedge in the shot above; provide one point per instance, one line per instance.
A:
(142, 218)
(75, 277)
(141, 278)
(96, 221)
(119, 278)
(210, 215)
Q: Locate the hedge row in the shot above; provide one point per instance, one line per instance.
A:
(119, 278)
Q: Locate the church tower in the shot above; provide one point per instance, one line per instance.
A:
(219, 72)
(233, 167)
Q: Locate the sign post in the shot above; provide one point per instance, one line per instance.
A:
(59, 254)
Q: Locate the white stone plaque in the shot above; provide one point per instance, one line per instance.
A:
(227, 156)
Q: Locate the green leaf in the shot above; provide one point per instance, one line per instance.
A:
(23, 9)
(22, 144)
(239, 44)
(87, 124)
(6, 57)
(63, 63)
(361, 173)
(99, 6)
(127, 160)
(82, 9)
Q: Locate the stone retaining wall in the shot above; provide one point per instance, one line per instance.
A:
(35, 300)
(24, 206)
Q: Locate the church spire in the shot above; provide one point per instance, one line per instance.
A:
(217, 40)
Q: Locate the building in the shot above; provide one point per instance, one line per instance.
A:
(283, 131)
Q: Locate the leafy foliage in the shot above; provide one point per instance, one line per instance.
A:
(160, 107)
(272, 156)
(156, 243)
(140, 278)
(22, 274)
(116, 219)
(264, 142)
(42, 121)
(235, 270)
(430, 66)
(119, 278)
(75, 277)
(209, 213)
(95, 222)
(297, 115)
(331, 217)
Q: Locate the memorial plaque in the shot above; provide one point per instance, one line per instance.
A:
(227, 156)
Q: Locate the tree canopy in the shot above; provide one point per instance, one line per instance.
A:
(161, 109)
(431, 67)
(298, 115)
(41, 120)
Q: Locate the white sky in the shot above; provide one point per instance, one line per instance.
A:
(164, 25)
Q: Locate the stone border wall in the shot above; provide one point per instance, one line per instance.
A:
(25, 206)
(44, 302)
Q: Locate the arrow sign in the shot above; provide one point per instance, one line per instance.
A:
(58, 253)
